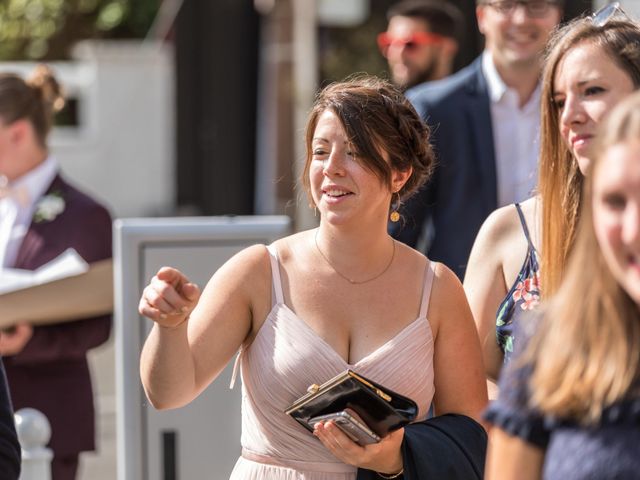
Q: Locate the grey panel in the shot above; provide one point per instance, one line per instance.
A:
(207, 431)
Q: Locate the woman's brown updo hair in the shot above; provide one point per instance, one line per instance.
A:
(35, 99)
(379, 121)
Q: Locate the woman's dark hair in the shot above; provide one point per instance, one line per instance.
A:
(379, 122)
(441, 17)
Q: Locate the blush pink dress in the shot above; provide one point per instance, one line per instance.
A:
(286, 357)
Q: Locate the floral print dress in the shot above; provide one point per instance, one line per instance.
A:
(524, 295)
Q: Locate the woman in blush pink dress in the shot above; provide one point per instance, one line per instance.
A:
(342, 296)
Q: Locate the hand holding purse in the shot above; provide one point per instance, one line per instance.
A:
(382, 409)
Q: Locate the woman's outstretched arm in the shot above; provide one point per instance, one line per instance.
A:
(194, 336)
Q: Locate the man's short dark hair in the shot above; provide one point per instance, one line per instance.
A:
(559, 3)
(441, 17)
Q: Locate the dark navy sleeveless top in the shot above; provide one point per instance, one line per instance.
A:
(523, 295)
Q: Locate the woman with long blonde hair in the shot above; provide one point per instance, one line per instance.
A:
(521, 251)
(569, 408)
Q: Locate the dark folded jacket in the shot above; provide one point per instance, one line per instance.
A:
(448, 447)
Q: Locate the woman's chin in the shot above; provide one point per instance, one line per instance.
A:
(583, 163)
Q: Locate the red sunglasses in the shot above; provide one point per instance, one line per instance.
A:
(410, 42)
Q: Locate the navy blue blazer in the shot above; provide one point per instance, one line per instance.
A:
(462, 192)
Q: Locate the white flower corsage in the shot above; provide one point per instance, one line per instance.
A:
(49, 207)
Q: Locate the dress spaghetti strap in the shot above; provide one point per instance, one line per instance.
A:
(426, 292)
(523, 295)
(275, 273)
(277, 289)
(523, 222)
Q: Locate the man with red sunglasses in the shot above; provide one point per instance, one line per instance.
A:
(421, 41)
(485, 120)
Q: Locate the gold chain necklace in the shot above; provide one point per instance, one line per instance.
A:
(350, 280)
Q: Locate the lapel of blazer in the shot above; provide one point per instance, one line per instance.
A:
(479, 116)
(38, 235)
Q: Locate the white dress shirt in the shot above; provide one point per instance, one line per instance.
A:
(16, 214)
(515, 137)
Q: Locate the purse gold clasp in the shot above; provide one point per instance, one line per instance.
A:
(313, 388)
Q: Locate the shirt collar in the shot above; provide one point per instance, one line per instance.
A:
(38, 180)
(498, 90)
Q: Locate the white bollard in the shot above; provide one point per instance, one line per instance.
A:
(34, 432)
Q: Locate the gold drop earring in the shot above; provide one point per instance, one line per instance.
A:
(395, 206)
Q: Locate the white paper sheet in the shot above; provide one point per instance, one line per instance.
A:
(67, 264)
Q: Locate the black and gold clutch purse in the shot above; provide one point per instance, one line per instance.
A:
(382, 409)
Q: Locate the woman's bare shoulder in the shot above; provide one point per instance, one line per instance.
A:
(257, 256)
(289, 247)
(445, 280)
(251, 257)
(247, 269)
(495, 239)
(413, 255)
(501, 224)
(448, 299)
(251, 267)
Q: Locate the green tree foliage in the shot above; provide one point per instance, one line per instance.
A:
(47, 29)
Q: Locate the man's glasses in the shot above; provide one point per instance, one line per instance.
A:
(534, 8)
(608, 12)
(410, 42)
